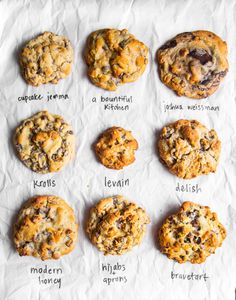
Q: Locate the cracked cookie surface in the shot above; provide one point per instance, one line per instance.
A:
(193, 63)
(45, 142)
(114, 57)
(46, 227)
(116, 147)
(189, 149)
(47, 58)
(192, 234)
(116, 225)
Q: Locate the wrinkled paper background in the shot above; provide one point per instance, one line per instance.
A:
(81, 183)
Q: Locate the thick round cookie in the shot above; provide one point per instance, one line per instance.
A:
(193, 63)
(114, 57)
(192, 234)
(116, 225)
(189, 149)
(46, 227)
(45, 142)
(47, 58)
(116, 147)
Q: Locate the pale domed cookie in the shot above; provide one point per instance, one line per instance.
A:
(116, 147)
(116, 225)
(45, 142)
(114, 57)
(47, 58)
(46, 227)
(192, 234)
(189, 149)
(193, 63)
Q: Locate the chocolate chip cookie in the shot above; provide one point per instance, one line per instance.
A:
(46, 227)
(47, 58)
(45, 142)
(116, 225)
(193, 63)
(114, 57)
(189, 149)
(192, 234)
(116, 147)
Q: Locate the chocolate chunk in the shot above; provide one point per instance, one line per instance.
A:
(170, 44)
(222, 73)
(205, 82)
(197, 240)
(202, 55)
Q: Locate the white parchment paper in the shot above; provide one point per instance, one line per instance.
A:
(81, 183)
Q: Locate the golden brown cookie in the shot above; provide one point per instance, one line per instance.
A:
(47, 58)
(114, 57)
(46, 227)
(116, 225)
(189, 149)
(192, 234)
(116, 147)
(193, 63)
(45, 142)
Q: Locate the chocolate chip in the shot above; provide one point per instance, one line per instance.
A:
(19, 147)
(197, 240)
(168, 45)
(105, 69)
(222, 73)
(202, 55)
(123, 43)
(115, 200)
(187, 239)
(194, 223)
(205, 82)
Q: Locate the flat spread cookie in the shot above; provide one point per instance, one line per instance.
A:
(45, 142)
(114, 57)
(189, 149)
(46, 227)
(193, 63)
(192, 234)
(116, 225)
(116, 147)
(47, 58)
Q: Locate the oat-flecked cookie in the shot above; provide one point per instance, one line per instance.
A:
(47, 58)
(45, 142)
(193, 63)
(189, 149)
(46, 227)
(114, 57)
(192, 234)
(116, 225)
(116, 147)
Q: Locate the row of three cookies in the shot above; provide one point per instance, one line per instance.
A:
(192, 63)
(45, 143)
(46, 227)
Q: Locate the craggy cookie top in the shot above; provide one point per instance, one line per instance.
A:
(46, 227)
(189, 149)
(44, 142)
(47, 58)
(114, 57)
(193, 63)
(192, 234)
(115, 148)
(116, 225)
